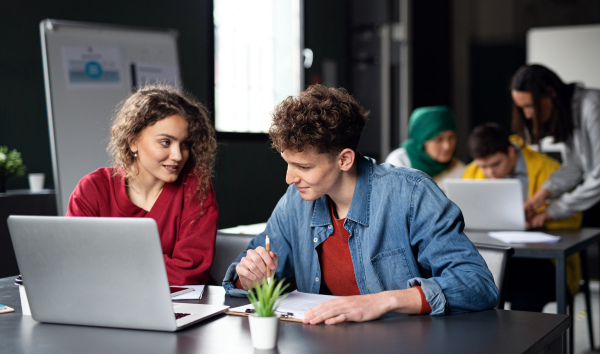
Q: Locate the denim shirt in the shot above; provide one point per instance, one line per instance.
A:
(403, 230)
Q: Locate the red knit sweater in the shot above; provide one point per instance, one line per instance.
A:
(188, 244)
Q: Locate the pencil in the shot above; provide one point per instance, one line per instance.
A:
(268, 247)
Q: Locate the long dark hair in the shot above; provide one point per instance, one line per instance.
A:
(540, 82)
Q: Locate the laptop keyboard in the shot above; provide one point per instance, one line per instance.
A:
(179, 315)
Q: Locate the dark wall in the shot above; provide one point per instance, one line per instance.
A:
(494, 66)
(325, 32)
(432, 53)
(249, 180)
(23, 122)
(493, 61)
(249, 176)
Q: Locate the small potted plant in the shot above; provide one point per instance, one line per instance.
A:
(11, 164)
(264, 322)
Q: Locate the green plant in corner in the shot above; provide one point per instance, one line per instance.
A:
(264, 297)
(11, 163)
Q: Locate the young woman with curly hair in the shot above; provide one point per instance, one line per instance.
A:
(163, 148)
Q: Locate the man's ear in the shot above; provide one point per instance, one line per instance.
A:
(346, 159)
(511, 151)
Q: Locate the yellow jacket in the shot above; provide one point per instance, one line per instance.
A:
(539, 168)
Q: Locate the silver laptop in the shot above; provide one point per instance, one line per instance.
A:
(488, 204)
(106, 272)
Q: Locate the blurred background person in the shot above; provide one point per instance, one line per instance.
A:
(545, 106)
(430, 145)
(531, 282)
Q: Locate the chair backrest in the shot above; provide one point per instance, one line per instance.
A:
(497, 259)
(227, 248)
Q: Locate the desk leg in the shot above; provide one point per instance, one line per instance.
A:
(561, 303)
(561, 286)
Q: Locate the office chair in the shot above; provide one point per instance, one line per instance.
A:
(497, 259)
(227, 248)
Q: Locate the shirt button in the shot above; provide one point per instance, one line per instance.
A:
(316, 279)
(315, 239)
(329, 227)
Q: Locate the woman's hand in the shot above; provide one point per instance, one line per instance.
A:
(535, 202)
(253, 267)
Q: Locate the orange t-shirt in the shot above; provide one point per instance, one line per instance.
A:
(337, 270)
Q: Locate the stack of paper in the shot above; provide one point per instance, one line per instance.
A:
(293, 306)
(524, 237)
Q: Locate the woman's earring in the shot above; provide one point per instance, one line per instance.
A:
(135, 154)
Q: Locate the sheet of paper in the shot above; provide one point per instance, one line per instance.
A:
(192, 295)
(253, 229)
(296, 303)
(524, 237)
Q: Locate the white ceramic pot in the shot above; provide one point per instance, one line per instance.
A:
(264, 331)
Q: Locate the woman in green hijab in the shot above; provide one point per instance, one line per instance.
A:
(430, 145)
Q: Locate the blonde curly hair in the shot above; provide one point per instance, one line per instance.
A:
(148, 105)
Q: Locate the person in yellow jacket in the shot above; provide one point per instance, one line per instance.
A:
(496, 154)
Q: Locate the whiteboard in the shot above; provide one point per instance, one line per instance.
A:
(573, 52)
(88, 70)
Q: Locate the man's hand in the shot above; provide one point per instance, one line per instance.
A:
(361, 308)
(535, 221)
(253, 267)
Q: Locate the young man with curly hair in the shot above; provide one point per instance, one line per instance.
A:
(384, 239)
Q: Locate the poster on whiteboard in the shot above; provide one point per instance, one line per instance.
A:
(146, 73)
(92, 67)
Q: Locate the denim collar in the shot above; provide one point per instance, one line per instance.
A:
(361, 199)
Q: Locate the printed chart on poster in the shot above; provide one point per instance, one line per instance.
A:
(89, 69)
(92, 67)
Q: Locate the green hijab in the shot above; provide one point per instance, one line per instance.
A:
(426, 123)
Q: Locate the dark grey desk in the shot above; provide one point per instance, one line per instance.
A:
(572, 241)
(493, 331)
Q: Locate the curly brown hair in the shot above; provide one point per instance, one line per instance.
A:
(148, 105)
(325, 118)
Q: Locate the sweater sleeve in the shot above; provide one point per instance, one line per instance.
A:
(84, 199)
(192, 257)
(585, 194)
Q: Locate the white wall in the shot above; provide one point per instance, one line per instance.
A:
(573, 52)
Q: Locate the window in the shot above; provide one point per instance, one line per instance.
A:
(257, 61)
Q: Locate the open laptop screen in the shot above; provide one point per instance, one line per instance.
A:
(488, 204)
